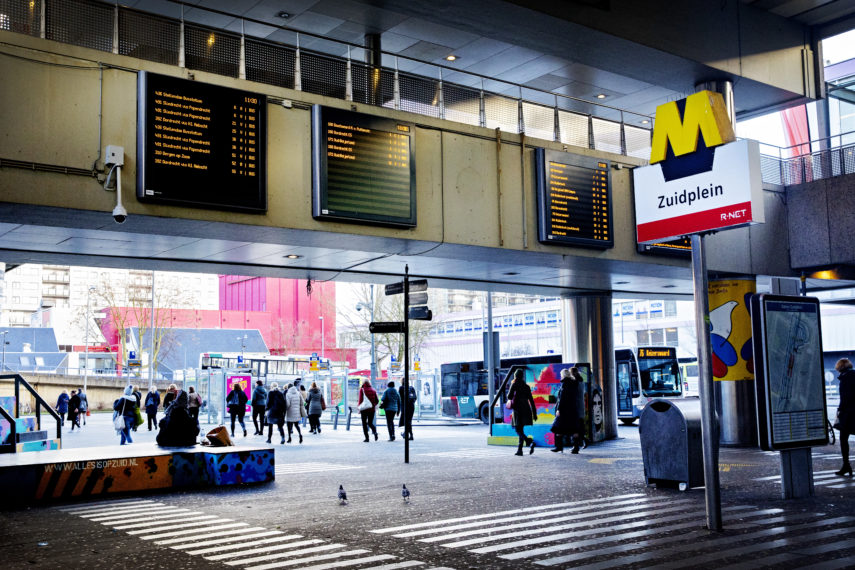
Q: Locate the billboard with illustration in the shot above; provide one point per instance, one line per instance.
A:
(730, 329)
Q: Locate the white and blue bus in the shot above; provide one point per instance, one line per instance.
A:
(642, 374)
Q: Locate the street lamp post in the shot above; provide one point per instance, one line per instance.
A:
(5, 342)
(370, 305)
(242, 346)
(86, 342)
(322, 336)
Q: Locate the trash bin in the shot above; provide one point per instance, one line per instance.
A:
(671, 447)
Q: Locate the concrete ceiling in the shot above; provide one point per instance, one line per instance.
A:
(524, 42)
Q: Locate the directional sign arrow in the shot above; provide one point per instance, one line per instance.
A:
(386, 327)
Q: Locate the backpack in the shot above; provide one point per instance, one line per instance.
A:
(412, 394)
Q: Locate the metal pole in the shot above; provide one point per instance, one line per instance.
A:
(5, 342)
(322, 337)
(373, 348)
(86, 343)
(491, 383)
(709, 423)
(151, 360)
(408, 427)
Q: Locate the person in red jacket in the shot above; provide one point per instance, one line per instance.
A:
(367, 395)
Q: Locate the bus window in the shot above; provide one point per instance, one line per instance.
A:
(659, 377)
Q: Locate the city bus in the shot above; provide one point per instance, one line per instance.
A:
(690, 373)
(463, 385)
(642, 374)
(265, 367)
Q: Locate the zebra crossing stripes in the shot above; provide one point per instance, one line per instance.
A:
(820, 478)
(472, 453)
(229, 542)
(309, 467)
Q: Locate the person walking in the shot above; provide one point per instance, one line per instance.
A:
(304, 411)
(259, 402)
(390, 403)
(152, 401)
(408, 410)
(294, 410)
(194, 402)
(138, 395)
(237, 406)
(62, 406)
(84, 406)
(845, 411)
(275, 411)
(125, 407)
(524, 412)
(316, 406)
(568, 411)
(366, 404)
(74, 410)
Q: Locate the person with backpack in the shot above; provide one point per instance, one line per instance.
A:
(315, 406)
(236, 402)
(152, 402)
(275, 411)
(408, 409)
(84, 406)
(390, 403)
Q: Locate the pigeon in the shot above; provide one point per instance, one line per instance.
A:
(406, 494)
(342, 496)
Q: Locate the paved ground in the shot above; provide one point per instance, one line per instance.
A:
(472, 506)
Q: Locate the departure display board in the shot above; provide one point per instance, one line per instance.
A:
(681, 247)
(573, 199)
(362, 168)
(201, 145)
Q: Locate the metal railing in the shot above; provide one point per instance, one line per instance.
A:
(40, 403)
(805, 162)
(402, 84)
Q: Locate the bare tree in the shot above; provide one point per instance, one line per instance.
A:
(129, 305)
(389, 308)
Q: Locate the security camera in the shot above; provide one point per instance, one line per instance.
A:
(120, 214)
(359, 307)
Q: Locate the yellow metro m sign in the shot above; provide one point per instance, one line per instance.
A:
(704, 113)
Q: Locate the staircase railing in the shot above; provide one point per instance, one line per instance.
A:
(40, 403)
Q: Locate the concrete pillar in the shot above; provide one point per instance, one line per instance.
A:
(587, 336)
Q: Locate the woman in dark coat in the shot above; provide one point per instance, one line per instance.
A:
(275, 412)
(62, 406)
(152, 402)
(178, 428)
(74, 409)
(846, 411)
(568, 411)
(315, 404)
(521, 402)
(408, 409)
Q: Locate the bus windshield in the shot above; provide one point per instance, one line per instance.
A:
(659, 377)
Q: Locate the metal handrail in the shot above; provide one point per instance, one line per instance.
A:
(40, 402)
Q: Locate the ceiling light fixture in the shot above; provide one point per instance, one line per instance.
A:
(293, 256)
(601, 95)
(451, 57)
(668, 286)
(621, 282)
(284, 15)
(645, 122)
(511, 273)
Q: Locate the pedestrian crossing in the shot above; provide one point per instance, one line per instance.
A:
(230, 542)
(310, 467)
(472, 453)
(825, 478)
(639, 531)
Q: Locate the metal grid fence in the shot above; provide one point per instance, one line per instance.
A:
(113, 28)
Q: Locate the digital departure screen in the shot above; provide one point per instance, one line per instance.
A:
(573, 199)
(362, 168)
(201, 145)
(681, 247)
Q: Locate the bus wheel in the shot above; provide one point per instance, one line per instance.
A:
(627, 421)
(484, 413)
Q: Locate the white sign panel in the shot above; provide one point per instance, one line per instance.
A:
(729, 195)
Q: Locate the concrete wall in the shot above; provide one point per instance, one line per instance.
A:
(101, 391)
(820, 222)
